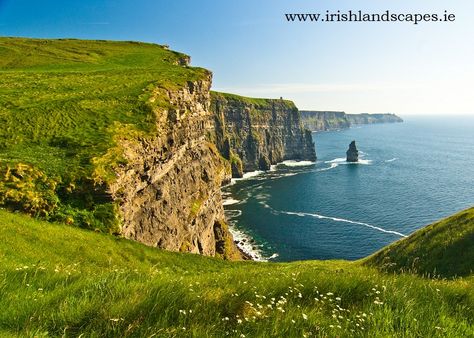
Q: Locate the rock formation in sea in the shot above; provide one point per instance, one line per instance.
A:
(352, 154)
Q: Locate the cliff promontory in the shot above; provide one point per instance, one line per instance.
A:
(256, 133)
(123, 137)
(111, 137)
(324, 120)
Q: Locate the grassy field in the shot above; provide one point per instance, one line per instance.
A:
(63, 106)
(57, 280)
(444, 248)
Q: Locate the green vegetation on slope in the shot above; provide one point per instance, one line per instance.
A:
(259, 102)
(444, 248)
(64, 104)
(63, 281)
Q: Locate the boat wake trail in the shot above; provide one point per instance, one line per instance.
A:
(335, 219)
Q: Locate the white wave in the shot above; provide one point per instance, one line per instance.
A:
(333, 165)
(391, 160)
(273, 167)
(303, 214)
(233, 213)
(337, 160)
(251, 174)
(246, 176)
(248, 245)
(230, 201)
(342, 160)
(292, 163)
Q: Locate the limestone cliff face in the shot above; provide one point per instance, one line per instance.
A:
(169, 190)
(255, 133)
(324, 120)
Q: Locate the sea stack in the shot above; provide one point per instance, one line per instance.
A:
(352, 153)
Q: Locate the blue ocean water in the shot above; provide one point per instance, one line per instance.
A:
(411, 174)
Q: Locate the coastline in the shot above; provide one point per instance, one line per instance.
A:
(245, 242)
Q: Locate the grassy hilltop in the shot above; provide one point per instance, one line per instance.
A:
(64, 104)
(57, 280)
(444, 248)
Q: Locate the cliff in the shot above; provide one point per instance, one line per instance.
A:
(352, 154)
(256, 133)
(114, 142)
(373, 118)
(170, 187)
(332, 120)
(324, 120)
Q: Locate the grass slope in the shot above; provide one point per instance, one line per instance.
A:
(444, 248)
(63, 106)
(60, 99)
(63, 281)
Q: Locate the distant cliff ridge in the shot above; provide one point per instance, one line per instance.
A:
(373, 118)
(256, 133)
(333, 120)
(324, 120)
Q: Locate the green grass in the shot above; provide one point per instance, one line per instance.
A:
(63, 100)
(259, 102)
(57, 280)
(66, 104)
(444, 248)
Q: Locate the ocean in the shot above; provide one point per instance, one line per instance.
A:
(410, 174)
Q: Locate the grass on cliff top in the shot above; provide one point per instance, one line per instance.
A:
(260, 102)
(63, 281)
(444, 248)
(64, 106)
(63, 101)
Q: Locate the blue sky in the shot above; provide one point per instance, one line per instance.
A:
(253, 51)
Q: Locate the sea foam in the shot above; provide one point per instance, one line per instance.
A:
(336, 219)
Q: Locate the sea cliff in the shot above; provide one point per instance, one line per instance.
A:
(124, 138)
(253, 133)
(334, 120)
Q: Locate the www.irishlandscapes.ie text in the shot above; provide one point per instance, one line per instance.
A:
(360, 16)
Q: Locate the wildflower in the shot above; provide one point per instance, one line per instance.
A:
(338, 299)
(300, 295)
(305, 317)
(293, 321)
(239, 321)
(329, 294)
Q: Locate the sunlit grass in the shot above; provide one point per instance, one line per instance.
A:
(57, 280)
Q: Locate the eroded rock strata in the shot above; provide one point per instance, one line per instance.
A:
(169, 187)
(253, 134)
(169, 190)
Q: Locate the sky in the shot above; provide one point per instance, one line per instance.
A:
(253, 51)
